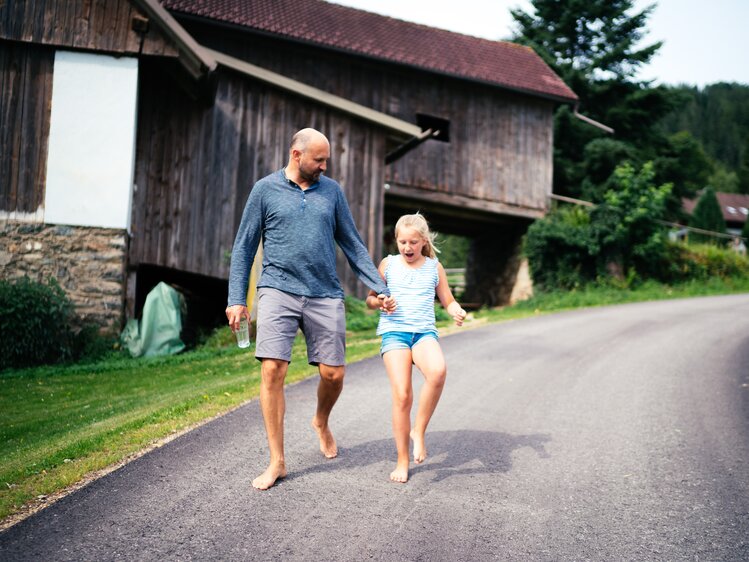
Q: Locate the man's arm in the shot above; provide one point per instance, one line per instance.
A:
(245, 247)
(347, 237)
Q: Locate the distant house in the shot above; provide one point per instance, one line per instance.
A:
(735, 208)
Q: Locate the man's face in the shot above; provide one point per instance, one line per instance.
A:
(314, 160)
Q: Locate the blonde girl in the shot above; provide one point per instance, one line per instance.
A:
(409, 334)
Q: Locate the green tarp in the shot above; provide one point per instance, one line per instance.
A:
(159, 329)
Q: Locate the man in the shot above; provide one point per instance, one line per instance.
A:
(300, 214)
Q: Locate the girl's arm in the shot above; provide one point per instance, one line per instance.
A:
(445, 295)
(372, 301)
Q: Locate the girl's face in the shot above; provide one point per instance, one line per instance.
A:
(410, 244)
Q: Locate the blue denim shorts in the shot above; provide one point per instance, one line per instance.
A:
(403, 340)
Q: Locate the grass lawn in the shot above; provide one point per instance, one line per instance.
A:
(62, 423)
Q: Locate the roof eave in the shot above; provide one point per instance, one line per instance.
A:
(402, 128)
(192, 56)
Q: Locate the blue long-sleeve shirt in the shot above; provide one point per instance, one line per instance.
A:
(299, 229)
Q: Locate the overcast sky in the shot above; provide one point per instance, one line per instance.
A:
(704, 41)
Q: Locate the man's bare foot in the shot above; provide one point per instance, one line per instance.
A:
(328, 446)
(268, 478)
(400, 474)
(420, 450)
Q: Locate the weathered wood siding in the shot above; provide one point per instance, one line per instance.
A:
(101, 25)
(196, 166)
(501, 141)
(25, 96)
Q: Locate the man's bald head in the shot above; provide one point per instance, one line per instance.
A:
(306, 137)
(308, 157)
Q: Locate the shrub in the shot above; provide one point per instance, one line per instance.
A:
(702, 261)
(358, 316)
(620, 237)
(561, 249)
(35, 324)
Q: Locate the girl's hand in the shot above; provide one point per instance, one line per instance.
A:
(457, 312)
(387, 304)
(459, 316)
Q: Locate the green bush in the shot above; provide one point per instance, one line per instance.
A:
(703, 261)
(35, 324)
(358, 316)
(561, 249)
(620, 238)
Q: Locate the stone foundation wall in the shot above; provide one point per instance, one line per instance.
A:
(88, 263)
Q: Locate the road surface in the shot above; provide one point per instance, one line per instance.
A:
(616, 433)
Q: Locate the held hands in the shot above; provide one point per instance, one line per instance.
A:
(387, 304)
(235, 313)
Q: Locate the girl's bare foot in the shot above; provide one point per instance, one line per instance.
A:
(328, 446)
(400, 474)
(268, 478)
(420, 450)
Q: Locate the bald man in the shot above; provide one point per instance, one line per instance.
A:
(301, 215)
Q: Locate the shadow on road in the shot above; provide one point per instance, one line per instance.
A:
(451, 453)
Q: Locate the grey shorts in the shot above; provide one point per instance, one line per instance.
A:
(322, 320)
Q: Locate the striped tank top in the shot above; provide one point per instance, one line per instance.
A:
(414, 291)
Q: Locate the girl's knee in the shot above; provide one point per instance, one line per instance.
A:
(437, 378)
(402, 400)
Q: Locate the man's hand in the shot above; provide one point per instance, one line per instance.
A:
(235, 313)
(387, 304)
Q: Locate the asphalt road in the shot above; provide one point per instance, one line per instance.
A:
(617, 433)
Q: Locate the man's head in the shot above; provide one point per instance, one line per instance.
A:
(308, 154)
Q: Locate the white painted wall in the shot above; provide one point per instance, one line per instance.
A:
(91, 157)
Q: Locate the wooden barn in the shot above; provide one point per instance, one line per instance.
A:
(132, 131)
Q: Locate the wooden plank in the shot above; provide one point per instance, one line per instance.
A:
(103, 25)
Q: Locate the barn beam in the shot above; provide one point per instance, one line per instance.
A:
(409, 145)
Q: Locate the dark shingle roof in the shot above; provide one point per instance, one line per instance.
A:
(329, 25)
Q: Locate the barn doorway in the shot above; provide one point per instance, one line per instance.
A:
(493, 245)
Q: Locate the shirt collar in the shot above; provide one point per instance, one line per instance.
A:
(294, 184)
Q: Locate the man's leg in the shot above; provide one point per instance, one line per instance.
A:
(328, 391)
(273, 405)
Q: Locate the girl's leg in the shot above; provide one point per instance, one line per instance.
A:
(428, 357)
(398, 367)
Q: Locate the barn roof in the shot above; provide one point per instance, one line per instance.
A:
(199, 61)
(497, 63)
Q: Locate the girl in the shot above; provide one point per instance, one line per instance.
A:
(409, 334)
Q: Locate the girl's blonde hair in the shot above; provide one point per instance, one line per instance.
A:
(420, 225)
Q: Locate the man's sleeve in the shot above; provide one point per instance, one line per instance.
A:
(245, 247)
(347, 237)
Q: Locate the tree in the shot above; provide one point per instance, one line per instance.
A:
(743, 172)
(707, 216)
(620, 237)
(718, 117)
(627, 222)
(593, 46)
(683, 163)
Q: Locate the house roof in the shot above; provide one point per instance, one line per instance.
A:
(497, 63)
(735, 206)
